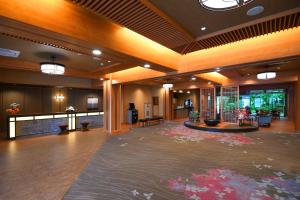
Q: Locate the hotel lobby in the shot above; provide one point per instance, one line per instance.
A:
(150, 99)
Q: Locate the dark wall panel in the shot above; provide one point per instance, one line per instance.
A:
(33, 100)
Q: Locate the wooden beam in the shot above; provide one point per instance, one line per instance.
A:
(80, 24)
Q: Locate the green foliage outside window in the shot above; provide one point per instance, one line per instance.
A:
(266, 100)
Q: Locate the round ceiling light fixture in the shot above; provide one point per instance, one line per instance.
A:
(266, 75)
(52, 68)
(255, 10)
(222, 5)
(167, 85)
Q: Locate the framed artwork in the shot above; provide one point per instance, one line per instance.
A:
(92, 103)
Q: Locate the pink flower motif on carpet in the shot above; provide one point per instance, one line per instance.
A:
(228, 185)
(182, 134)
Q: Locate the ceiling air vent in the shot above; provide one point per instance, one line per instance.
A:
(9, 53)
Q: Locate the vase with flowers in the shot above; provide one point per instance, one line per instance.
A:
(14, 109)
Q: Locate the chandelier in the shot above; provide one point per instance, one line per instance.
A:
(167, 85)
(266, 75)
(222, 5)
(52, 68)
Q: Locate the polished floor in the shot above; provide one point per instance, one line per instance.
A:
(38, 168)
(170, 161)
(166, 161)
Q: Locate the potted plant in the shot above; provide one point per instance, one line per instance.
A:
(194, 116)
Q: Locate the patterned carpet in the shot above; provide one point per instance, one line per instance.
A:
(170, 161)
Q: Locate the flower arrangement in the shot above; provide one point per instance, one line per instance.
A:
(70, 109)
(14, 109)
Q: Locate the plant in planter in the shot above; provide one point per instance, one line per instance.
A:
(194, 116)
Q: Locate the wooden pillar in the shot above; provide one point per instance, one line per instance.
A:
(168, 104)
(112, 98)
(297, 101)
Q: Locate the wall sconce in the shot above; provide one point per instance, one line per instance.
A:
(59, 97)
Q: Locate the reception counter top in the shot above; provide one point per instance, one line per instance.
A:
(22, 125)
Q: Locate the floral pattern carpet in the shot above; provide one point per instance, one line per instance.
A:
(170, 161)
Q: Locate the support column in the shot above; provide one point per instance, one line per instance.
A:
(112, 106)
(168, 104)
(297, 101)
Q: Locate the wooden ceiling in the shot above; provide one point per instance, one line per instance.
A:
(141, 17)
(262, 28)
(146, 19)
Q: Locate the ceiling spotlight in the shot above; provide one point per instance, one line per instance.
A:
(180, 91)
(203, 28)
(109, 61)
(193, 78)
(101, 79)
(97, 52)
(188, 92)
(209, 83)
(174, 91)
(147, 65)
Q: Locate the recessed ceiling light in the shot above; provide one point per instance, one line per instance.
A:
(180, 91)
(188, 92)
(109, 61)
(174, 91)
(193, 78)
(218, 70)
(203, 28)
(97, 52)
(209, 83)
(147, 65)
(255, 10)
(101, 79)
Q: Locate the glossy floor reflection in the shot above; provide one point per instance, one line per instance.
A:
(45, 167)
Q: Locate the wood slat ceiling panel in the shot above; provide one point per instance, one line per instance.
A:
(136, 16)
(274, 25)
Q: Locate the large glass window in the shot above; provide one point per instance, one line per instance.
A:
(266, 100)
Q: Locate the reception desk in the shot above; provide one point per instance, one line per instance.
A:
(22, 125)
(181, 113)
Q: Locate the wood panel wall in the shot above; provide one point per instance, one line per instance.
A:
(40, 100)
